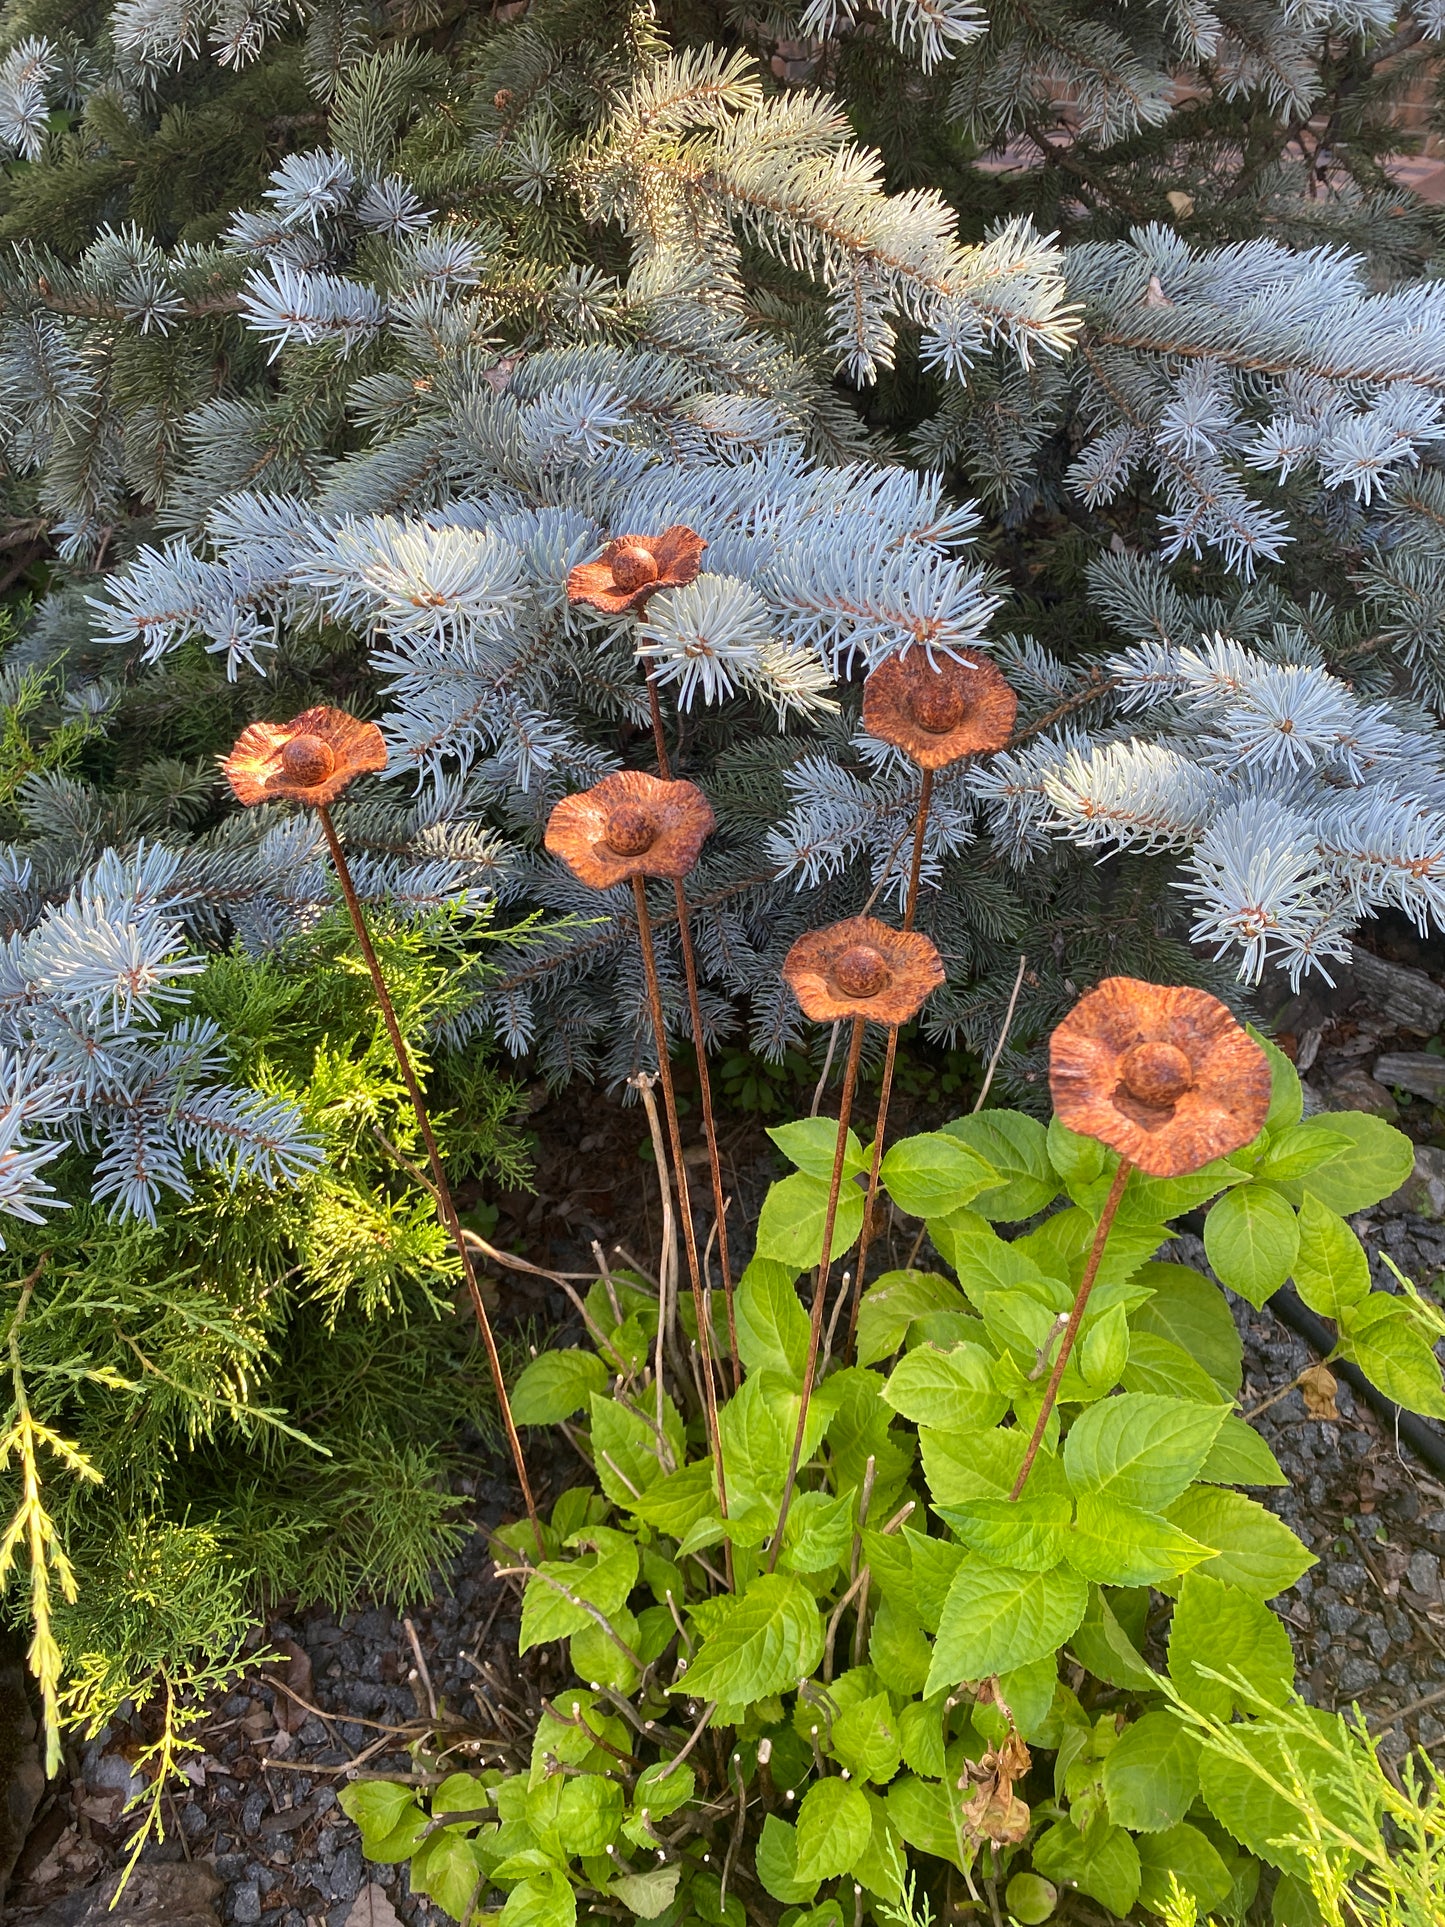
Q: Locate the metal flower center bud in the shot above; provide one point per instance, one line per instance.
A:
(631, 829)
(1157, 1073)
(861, 971)
(938, 706)
(633, 565)
(308, 759)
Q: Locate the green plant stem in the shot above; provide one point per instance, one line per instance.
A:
(444, 1199)
(704, 1080)
(1076, 1316)
(684, 1200)
(880, 1126)
(820, 1287)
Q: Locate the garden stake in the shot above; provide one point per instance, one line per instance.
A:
(310, 761)
(857, 969)
(820, 1286)
(1071, 1330)
(1165, 1077)
(937, 714)
(684, 1202)
(704, 1080)
(438, 1171)
(880, 1124)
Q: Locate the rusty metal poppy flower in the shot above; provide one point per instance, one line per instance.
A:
(1162, 1075)
(862, 968)
(635, 567)
(630, 825)
(937, 714)
(308, 760)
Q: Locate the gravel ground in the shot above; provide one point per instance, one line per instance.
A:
(1367, 1622)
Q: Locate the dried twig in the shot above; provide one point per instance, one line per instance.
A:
(421, 1667)
(1008, 1018)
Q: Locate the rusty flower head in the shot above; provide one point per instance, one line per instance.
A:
(937, 714)
(1164, 1076)
(630, 825)
(635, 567)
(309, 760)
(862, 968)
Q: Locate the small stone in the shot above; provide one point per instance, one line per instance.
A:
(1356, 1090)
(245, 1907)
(345, 1875)
(1422, 1195)
(1347, 1576)
(254, 1810)
(1339, 1617)
(1357, 1674)
(113, 1773)
(1395, 1744)
(1423, 1572)
(1378, 1640)
(1430, 1730)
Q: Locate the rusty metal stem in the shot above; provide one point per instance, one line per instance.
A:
(910, 912)
(438, 1171)
(664, 768)
(1071, 1330)
(684, 1201)
(820, 1287)
(709, 1125)
(704, 1081)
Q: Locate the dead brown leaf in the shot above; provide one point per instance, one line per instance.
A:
(297, 1675)
(1319, 1385)
(372, 1909)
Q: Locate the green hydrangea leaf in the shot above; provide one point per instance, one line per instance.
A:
(1104, 1863)
(995, 1618)
(1218, 1629)
(934, 1173)
(954, 1390)
(1251, 1238)
(1152, 1774)
(1140, 1449)
(772, 1325)
(769, 1638)
(1259, 1553)
(834, 1826)
(556, 1385)
(1017, 1148)
(790, 1225)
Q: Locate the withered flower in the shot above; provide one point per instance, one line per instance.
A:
(630, 825)
(634, 567)
(308, 760)
(992, 1810)
(1162, 1075)
(938, 714)
(862, 968)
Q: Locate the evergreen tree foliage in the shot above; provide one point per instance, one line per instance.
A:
(509, 287)
(254, 1389)
(494, 290)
